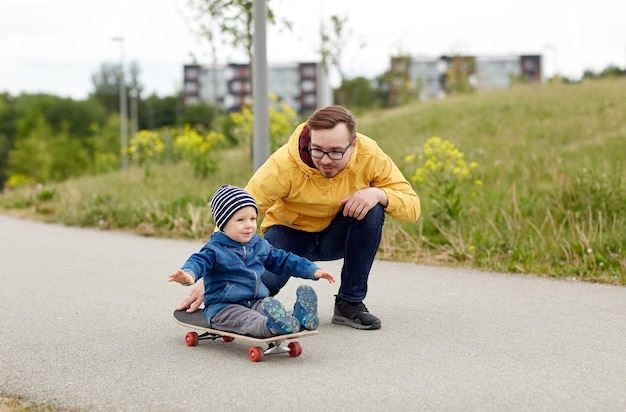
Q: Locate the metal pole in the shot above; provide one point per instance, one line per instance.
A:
(260, 147)
(134, 121)
(123, 108)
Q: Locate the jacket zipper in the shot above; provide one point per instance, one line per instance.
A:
(256, 283)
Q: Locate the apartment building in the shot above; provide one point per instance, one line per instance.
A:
(300, 85)
(433, 77)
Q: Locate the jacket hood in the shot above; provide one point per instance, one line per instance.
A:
(297, 148)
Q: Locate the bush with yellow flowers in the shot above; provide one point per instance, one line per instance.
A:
(144, 147)
(443, 179)
(282, 120)
(200, 150)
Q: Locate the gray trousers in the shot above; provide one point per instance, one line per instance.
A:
(243, 321)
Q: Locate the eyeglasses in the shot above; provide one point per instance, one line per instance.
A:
(332, 154)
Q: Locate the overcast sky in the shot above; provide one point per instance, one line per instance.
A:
(55, 46)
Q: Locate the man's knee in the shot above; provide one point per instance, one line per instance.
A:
(375, 218)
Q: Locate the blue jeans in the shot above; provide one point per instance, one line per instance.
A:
(356, 241)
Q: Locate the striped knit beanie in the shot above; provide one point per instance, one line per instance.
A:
(226, 201)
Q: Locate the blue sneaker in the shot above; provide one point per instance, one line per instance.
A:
(305, 308)
(278, 320)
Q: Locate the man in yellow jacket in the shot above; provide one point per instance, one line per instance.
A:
(324, 195)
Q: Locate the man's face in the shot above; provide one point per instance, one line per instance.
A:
(334, 142)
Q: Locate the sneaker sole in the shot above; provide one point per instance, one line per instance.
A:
(341, 320)
(306, 300)
(278, 319)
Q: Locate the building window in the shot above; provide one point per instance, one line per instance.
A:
(308, 71)
(191, 73)
(308, 86)
(309, 100)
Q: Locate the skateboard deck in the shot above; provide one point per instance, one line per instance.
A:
(275, 344)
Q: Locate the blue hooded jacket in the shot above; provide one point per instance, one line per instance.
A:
(232, 270)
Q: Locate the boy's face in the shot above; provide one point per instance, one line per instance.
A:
(242, 225)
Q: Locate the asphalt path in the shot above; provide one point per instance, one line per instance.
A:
(87, 323)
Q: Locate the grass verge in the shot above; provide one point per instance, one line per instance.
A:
(552, 199)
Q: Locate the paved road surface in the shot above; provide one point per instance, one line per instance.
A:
(87, 323)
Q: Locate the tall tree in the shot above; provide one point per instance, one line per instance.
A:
(333, 46)
(232, 19)
(8, 129)
(107, 86)
(106, 82)
(156, 111)
(358, 93)
(45, 155)
(76, 118)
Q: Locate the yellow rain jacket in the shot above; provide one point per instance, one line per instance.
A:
(291, 193)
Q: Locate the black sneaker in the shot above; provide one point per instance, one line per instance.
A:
(354, 314)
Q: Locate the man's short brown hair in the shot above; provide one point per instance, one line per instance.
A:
(329, 116)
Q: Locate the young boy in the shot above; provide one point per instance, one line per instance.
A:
(232, 262)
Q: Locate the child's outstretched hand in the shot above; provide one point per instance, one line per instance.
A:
(322, 274)
(181, 277)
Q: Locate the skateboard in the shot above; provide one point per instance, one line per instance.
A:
(275, 344)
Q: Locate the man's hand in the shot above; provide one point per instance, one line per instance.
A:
(362, 201)
(195, 298)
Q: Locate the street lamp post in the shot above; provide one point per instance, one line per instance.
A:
(134, 95)
(123, 108)
(261, 138)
